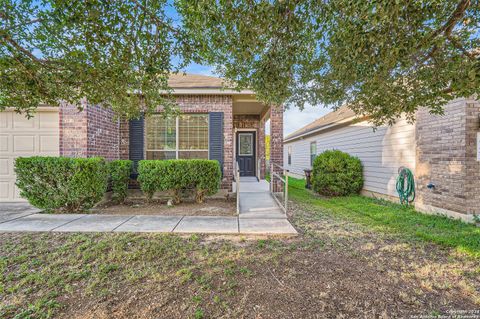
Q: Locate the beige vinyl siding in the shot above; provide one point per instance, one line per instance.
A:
(382, 151)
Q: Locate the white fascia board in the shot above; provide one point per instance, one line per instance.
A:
(211, 91)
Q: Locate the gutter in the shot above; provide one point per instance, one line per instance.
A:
(186, 91)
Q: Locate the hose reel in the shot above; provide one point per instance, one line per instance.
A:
(405, 186)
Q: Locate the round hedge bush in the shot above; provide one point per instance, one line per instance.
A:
(336, 173)
(62, 184)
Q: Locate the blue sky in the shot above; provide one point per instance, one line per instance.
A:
(293, 118)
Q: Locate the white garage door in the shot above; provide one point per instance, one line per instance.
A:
(22, 137)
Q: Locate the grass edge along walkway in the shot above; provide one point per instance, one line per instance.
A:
(385, 216)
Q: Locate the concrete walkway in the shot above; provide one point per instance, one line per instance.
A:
(256, 202)
(16, 217)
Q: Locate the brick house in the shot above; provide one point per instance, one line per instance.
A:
(440, 150)
(215, 123)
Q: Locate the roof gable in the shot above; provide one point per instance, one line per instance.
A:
(340, 115)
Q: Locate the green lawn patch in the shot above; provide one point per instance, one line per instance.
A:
(393, 218)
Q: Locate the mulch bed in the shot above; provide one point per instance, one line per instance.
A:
(211, 207)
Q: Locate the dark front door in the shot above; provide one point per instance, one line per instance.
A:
(246, 153)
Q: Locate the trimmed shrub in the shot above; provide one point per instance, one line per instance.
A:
(175, 176)
(60, 183)
(206, 176)
(119, 177)
(336, 173)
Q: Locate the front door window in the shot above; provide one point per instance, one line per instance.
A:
(246, 144)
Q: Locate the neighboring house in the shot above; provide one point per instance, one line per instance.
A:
(216, 123)
(440, 150)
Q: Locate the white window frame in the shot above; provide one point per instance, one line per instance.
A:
(177, 138)
(252, 153)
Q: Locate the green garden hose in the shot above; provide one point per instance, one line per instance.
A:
(405, 185)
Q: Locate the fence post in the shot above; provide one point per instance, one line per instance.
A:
(285, 174)
(271, 177)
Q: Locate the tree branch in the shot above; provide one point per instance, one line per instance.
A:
(159, 21)
(17, 46)
(25, 23)
(447, 29)
(458, 45)
(457, 14)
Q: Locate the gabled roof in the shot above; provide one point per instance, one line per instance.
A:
(186, 83)
(341, 115)
(197, 81)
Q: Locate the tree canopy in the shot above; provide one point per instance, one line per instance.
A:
(382, 58)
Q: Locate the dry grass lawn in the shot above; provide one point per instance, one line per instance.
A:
(337, 267)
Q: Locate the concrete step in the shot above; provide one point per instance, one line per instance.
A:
(261, 209)
(272, 214)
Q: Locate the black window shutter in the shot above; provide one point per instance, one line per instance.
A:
(215, 140)
(136, 129)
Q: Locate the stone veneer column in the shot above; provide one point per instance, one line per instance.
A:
(276, 139)
(94, 131)
(446, 156)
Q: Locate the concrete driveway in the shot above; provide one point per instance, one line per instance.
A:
(12, 211)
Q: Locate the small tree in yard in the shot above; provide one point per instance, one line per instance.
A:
(336, 173)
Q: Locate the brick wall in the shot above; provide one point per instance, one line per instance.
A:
(472, 187)
(261, 147)
(94, 131)
(446, 157)
(214, 103)
(73, 131)
(103, 133)
(276, 139)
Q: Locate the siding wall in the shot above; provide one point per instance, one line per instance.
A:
(382, 151)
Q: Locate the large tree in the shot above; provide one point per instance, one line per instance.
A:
(106, 51)
(382, 58)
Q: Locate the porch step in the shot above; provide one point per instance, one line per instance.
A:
(263, 209)
(267, 214)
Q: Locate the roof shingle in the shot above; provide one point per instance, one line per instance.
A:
(182, 80)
